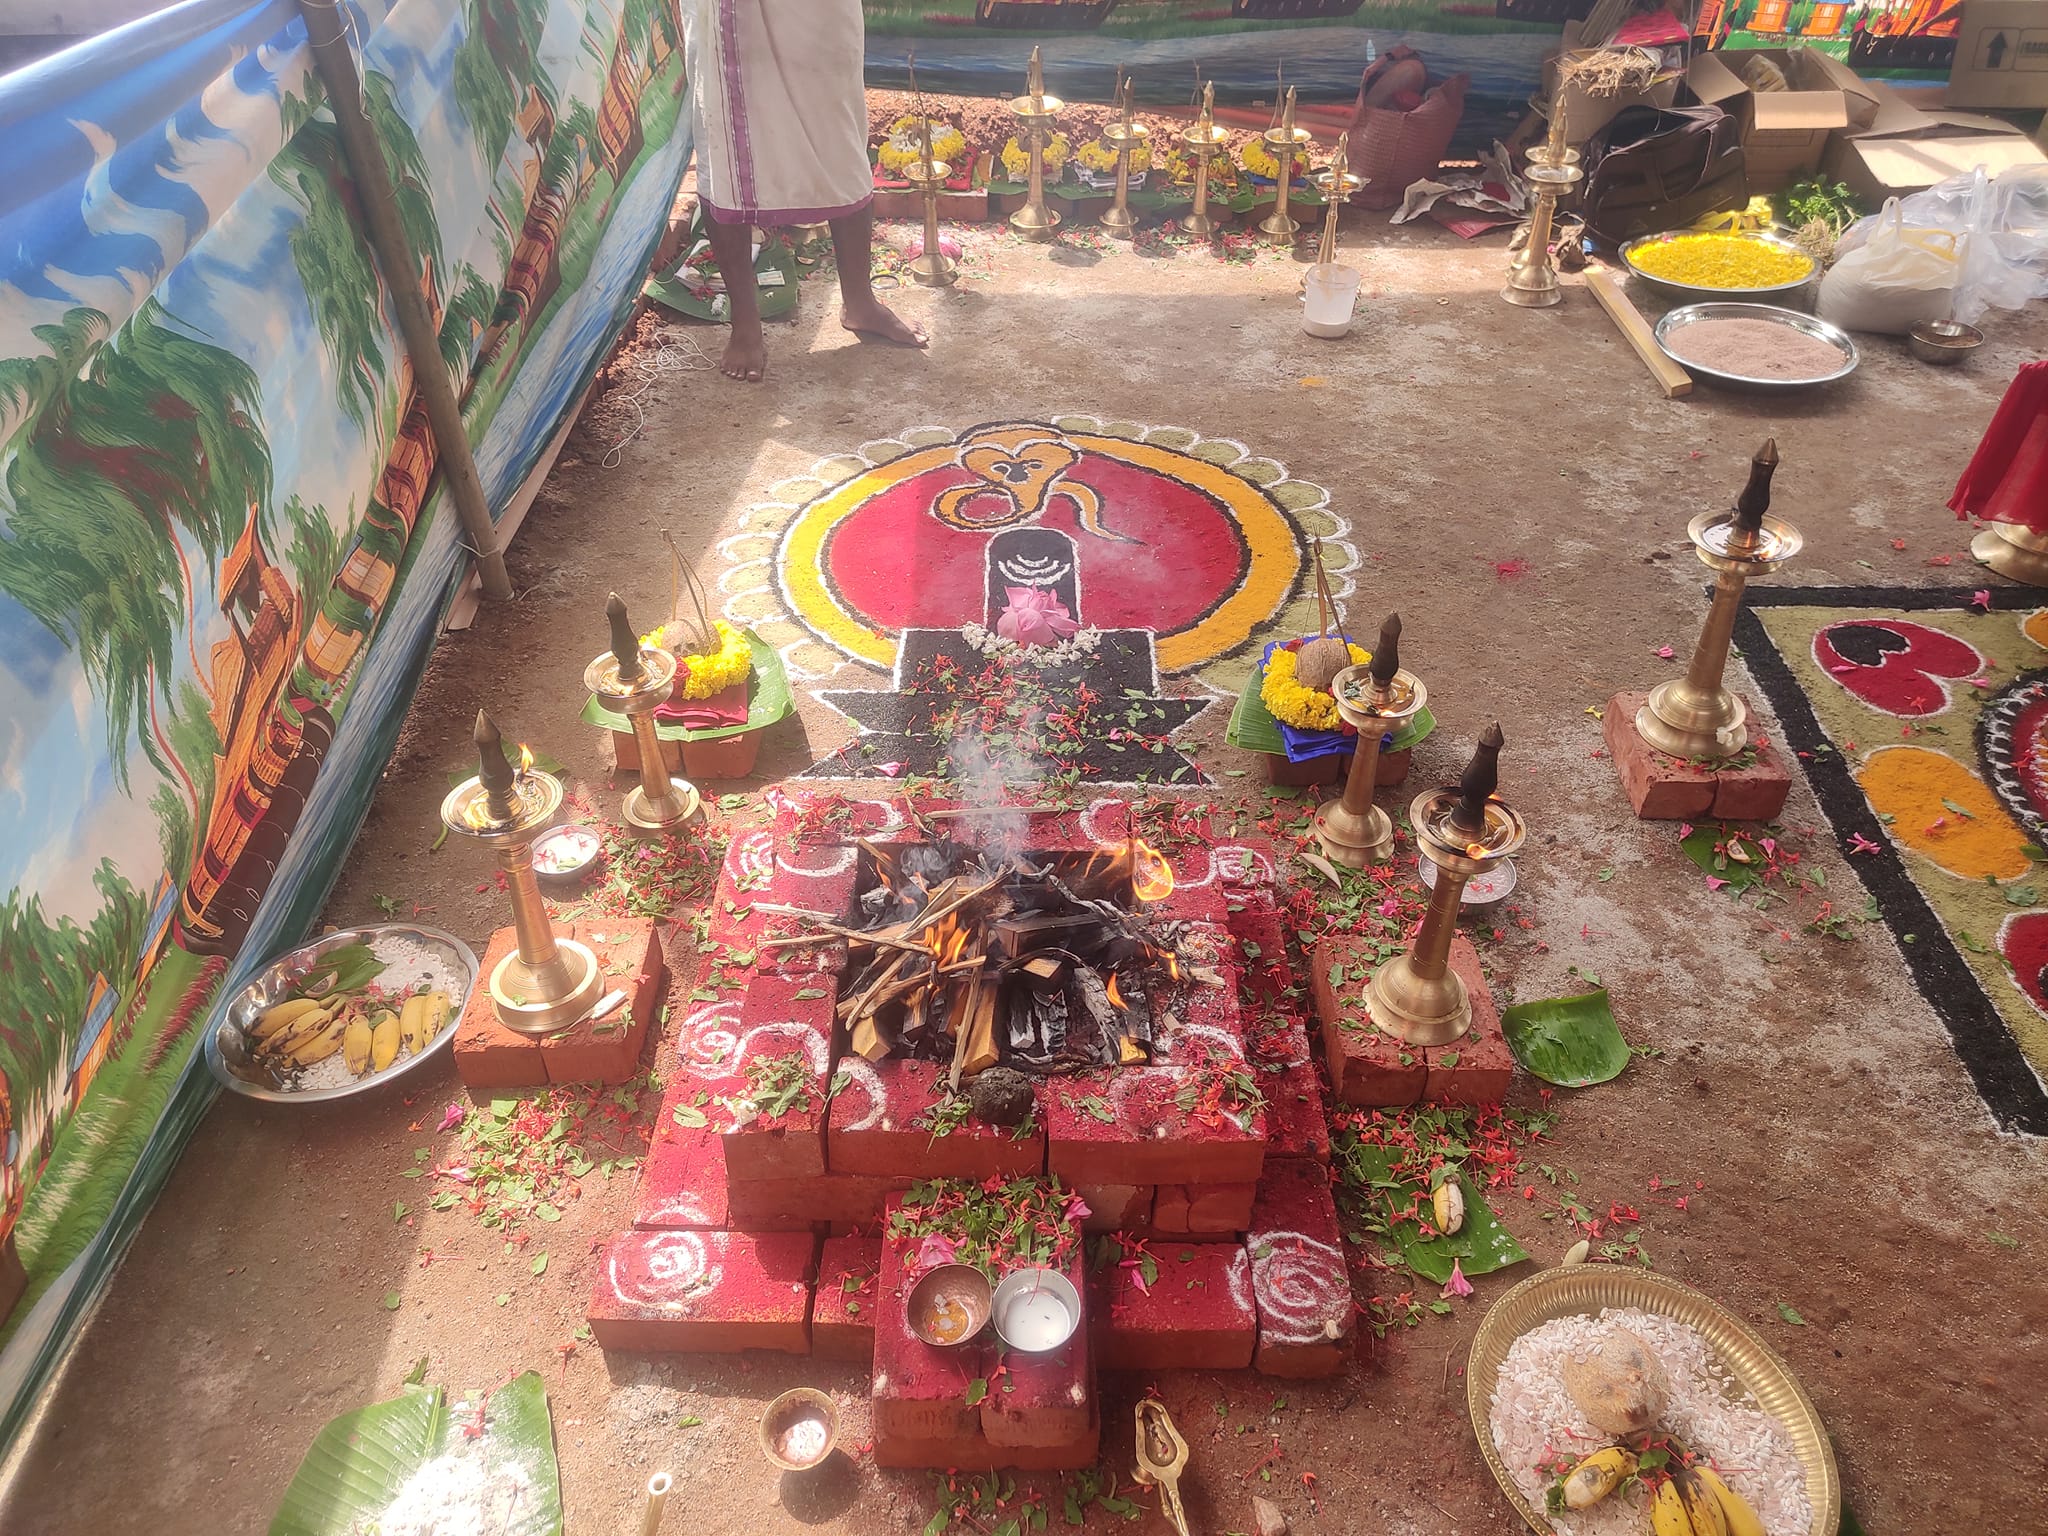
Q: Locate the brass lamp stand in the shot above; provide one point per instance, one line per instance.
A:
(1200, 141)
(1124, 137)
(546, 984)
(1336, 184)
(1465, 831)
(1035, 112)
(1695, 717)
(1285, 141)
(932, 267)
(1376, 698)
(1553, 170)
(634, 680)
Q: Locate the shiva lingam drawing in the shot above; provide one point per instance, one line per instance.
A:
(1124, 137)
(1035, 112)
(1285, 141)
(1465, 829)
(634, 680)
(1376, 700)
(547, 983)
(1695, 717)
(1201, 143)
(1553, 170)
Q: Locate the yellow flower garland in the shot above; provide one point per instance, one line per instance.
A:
(1297, 704)
(1259, 160)
(904, 148)
(1100, 157)
(710, 673)
(1179, 165)
(1017, 160)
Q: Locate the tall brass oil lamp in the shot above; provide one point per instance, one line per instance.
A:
(1553, 170)
(1285, 141)
(1124, 136)
(1695, 717)
(634, 680)
(1035, 112)
(1465, 829)
(547, 983)
(1336, 183)
(1201, 142)
(932, 266)
(1376, 698)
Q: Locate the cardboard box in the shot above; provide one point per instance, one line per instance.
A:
(1784, 133)
(1586, 115)
(1906, 149)
(2001, 55)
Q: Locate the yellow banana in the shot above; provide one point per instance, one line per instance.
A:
(1702, 1508)
(436, 1015)
(1667, 1512)
(1447, 1205)
(309, 1028)
(355, 1044)
(409, 1018)
(1596, 1477)
(1736, 1514)
(384, 1044)
(320, 1047)
(280, 1015)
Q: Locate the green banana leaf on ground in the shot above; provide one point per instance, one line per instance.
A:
(1479, 1247)
(418, 1455)
(1570, 1041)
(768, 701)
(775, 277)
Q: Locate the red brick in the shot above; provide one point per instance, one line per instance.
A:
(778, 1021)
(920, 1392)
(1297, 1124)
(871, 1127)
(629, 956)
(1115, 1207)
(1300, 1286)
(1147, 1138)
(1202, 1210)
(682, 1179)
(841, 1201)
(843, 1316)
(1196, 1316)
(1047, 1400)
(1375, 1070)
(709, 1292)
(1209, 1025)
(1331, 769)
(973, 1453)
(1665, 789)
(1478, 1067)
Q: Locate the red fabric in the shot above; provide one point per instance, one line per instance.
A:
(2007, 481)
(714, 713)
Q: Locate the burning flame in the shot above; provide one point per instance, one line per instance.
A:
(1476, 850)
(1116, 998)
(525, 758)
(949, 941)
(1151, 875)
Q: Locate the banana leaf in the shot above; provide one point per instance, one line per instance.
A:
(1479, 1247)
(1570, 1041)
(360, 1462)
(767, 701)
(1726, 853)
(775, 276)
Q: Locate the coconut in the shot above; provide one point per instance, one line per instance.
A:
(1318, 662)
(1621, 1386)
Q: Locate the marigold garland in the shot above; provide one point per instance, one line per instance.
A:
(1100, 157)
(1259, 160)
(1178, 165)
(714, 672)
(1297, 704)
(1017, 160)
(904, 147)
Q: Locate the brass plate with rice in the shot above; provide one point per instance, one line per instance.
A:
(1585, 1290)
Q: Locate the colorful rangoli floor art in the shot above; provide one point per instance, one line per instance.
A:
(1157, 552)
(1922, 719)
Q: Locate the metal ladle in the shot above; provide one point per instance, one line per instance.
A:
(1162, 1458)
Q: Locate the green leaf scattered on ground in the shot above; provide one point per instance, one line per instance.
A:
(1570, 1041)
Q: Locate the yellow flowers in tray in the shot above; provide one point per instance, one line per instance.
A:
(1259, 160)
(1720, 261)
(1294, 703)
(709, 672)
(904, 147)
(1017, 160)
(1099, 157)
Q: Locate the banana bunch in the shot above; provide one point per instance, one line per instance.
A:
(1691, 1501)
(370, 1037)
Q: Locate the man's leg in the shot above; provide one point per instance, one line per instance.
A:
(732, 247)
(859, 310)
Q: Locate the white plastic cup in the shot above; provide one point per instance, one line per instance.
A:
(1329, 296)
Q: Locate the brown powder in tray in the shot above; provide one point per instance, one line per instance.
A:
(1756, 349)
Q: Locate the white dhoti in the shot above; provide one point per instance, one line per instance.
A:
(781, 108)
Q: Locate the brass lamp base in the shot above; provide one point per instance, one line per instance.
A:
(1532, 284)
(547, 1000)
(1355, 841)
(2014, 552)
(1416, 1009)
(650, 818)
(1034, 223)
(934, 269)
(1680, 722)
(1118, 222)
(1198, 224)
(1278, 225)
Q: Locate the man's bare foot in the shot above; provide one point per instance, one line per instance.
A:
(746, 355)
(871, 317)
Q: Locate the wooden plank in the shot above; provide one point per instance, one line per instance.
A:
(1670, 377)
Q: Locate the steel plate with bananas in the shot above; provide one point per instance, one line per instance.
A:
(1587, 1290)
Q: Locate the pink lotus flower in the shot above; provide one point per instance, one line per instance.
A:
(1458, 1285)
(1035, 617)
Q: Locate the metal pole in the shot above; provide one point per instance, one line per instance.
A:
(400, 268)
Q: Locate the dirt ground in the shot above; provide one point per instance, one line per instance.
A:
(1848, 1170)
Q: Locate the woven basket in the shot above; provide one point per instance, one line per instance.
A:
(1396, 149)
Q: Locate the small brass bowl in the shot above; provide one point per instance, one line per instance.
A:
(949, 1305)
(799, 1429)
(1943, 343)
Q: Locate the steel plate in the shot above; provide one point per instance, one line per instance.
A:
(1809, 325)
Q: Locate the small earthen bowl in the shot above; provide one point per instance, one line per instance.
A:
(799, 1429)
(949, 1305)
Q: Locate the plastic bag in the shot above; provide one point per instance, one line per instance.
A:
(1897, 276)
(2002, 228)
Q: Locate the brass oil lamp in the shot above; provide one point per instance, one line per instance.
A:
(1337, 183)
(1035, 112)
(1695, 717)
(1201, 142)
(547, 983)
(1553, 170)
(1375, 699)
(1465, 830)
(1123, 136)
(932, 266)
(1285, 141)
(634, 680)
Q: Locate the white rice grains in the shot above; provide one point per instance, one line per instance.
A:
(1535, 1421)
